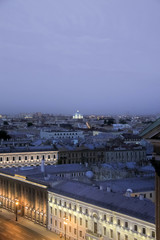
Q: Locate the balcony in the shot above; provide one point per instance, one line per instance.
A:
(94, 236)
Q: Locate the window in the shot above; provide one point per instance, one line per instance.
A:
(135, 228)
(7, 158)
(104, 217)
(144, 195)
(13, 158)
(19, 158)
(70, 206)
(104, 231)
(80, 233)
(60, 202)
(118, 236)
(37, 157)
(55, 211)
(70, 217)
(75, 219)
(1, 159)
(51, 220)
(86, 211)
(125, 237)
(80, 209)
(144, 231)
(119, 222)
(111, 233)
(150, 195)
(64, 204)
(60, 213)
(48, 156)
(51, 210)
(75, 231)
(69, 228)
(55, 200)
(56, 223)
(25, 158)
(60, 225)
(31, 157)
(80, 221)
(54, 156)
(75, 208)
(126, 224)
(153, 234)
(111, 219)
(86, 223)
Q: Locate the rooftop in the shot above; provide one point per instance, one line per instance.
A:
(142, 209)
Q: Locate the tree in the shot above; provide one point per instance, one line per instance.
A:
(4, 135)
(29, 124)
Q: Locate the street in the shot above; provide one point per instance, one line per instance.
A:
(10, 230)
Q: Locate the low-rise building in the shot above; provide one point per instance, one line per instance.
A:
(61, 134)
(27, 157)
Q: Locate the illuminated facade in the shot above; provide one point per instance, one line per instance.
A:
(90, 222)
(77, 115)
(27, 158)
(31, 196)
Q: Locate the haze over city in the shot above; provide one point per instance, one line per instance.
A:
(96, 56)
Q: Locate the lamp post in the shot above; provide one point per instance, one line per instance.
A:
(65, 223)
(16, 202)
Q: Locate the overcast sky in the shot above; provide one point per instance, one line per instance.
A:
(98, 56)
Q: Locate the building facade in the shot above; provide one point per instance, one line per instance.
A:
(61, 134)
(31, 196)
(90, 222)
(27, 158)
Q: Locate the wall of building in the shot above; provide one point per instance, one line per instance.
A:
(86, 221)
(31, 197)
(20, 159)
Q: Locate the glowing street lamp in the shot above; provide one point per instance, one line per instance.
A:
(16, 202)
(65, 223)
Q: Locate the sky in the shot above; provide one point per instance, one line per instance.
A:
(97, 56)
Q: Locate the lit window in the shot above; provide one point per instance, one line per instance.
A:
(118, 236)
(86, 223)
(126, 237)
(119, 222)
(153, 234)
(143, 231)
(80, 221)
(111, 233)
(126, 224)
(135, 228)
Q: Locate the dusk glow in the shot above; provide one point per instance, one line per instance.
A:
(96, 56)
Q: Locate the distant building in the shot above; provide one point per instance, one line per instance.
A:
(61, 134)
(22, 158)
(77, 115)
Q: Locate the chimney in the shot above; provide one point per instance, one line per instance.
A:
(42, 165)
(141, 197)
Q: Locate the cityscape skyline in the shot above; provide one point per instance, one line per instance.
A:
(100, 58)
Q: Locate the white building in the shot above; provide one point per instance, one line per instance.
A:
(95, 214)
(27, 158)
(61, 134)
(77, 115)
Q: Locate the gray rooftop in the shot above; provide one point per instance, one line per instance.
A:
(138, 184)
(142, 209)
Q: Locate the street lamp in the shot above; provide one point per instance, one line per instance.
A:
(16, 202)
(65, 223)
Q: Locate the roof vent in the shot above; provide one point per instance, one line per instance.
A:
(141, 197)
(128, 192)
